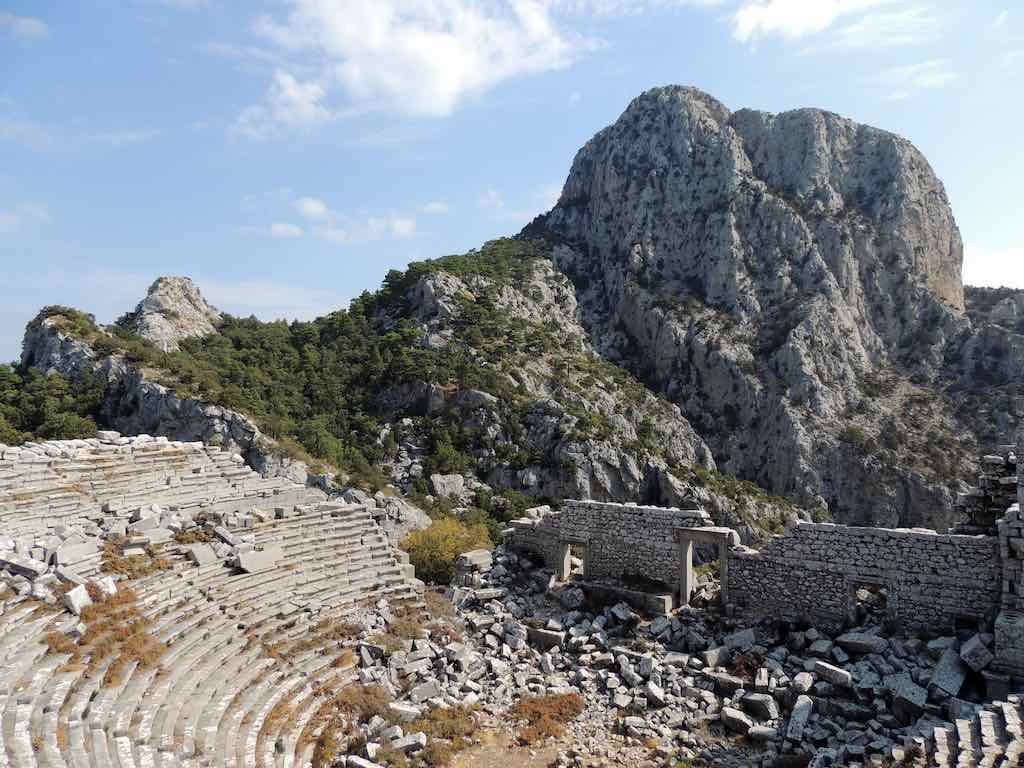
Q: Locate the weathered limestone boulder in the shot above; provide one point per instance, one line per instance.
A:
(447, 486)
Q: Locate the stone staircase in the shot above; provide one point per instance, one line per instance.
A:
(991, 736)
(43, 485)
(246, 665)
(214, 697)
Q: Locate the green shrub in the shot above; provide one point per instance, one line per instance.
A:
(434, 550)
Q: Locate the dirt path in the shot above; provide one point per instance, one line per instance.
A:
(498, 751)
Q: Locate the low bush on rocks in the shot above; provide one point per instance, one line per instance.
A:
(435, 550)
(546, 716)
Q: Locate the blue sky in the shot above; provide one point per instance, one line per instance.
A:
(287, 154)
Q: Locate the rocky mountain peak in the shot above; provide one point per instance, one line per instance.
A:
(758, 269)
(829, 203)
(173, 310)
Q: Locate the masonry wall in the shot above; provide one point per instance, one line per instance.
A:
(814, 570)
(1009, 629)
(619, 538)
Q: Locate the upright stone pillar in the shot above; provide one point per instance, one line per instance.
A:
(564, 561)
(685, 570)
(723, 570)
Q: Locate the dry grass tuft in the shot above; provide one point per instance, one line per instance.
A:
(546, 716)
(115, 630)
(134, 567)
(194, 536)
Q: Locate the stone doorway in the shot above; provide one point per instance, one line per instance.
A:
(686, 538)
(868, 602)
(570, 550)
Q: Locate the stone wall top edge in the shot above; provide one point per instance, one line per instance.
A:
(853, 531)
(618, 506)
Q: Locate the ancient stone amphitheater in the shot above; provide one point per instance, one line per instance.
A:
(210, 681)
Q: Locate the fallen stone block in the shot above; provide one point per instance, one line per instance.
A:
(949, 673)
(833, 674)
(425, 691)
(22, 566)
(545, 639)
(226, 536)
(264, 560)
(77, 600)
(761, 705)
(655, 694)
(405, 713)
(976, 654)
(798, 718)
(412, 742)
(861, 643)
(201, 554)
(736, 721)
(908, 701)
(106, 585)
(717, 657)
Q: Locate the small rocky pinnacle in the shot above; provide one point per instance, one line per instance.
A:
(173, 310)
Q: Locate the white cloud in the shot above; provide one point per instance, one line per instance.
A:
(312, 208)
(415, 57)
(25, 27)
(912, 26)
(902, 82)
(23, 216)
(288, 103)
(575, 98)
(285, 231)
(491, 200)
(793, 19)
(625, 7)
(1001, 19)
(344, 229)
(435, 208)
(994, 266)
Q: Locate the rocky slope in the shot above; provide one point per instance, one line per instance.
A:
(792, 281)
(173, 310)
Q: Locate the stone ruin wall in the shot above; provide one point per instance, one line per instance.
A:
(1009, 628)
(933, 580)
(619, 538)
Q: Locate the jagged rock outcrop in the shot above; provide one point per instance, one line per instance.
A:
(559, 392)
(756, 269)
(173, 310)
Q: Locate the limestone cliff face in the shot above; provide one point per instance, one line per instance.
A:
(173, 310)
(756, 269)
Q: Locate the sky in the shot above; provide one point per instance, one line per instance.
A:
(287, 154)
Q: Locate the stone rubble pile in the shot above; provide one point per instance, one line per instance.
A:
(693, 682)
